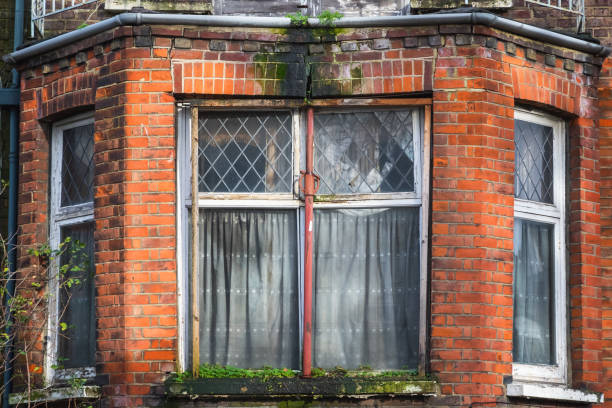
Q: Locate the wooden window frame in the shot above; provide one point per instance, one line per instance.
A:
(187, 136)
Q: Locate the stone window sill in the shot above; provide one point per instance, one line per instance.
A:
(55, 394)
(552, 392)
(299, 387)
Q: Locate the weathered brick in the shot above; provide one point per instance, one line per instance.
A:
(381, 44)
(217, 45)
(182, 43)
(434, 40)
(463, 39)
(511, 48)
(348, 46)
(316, 49)
(250, 46)
(531, 54)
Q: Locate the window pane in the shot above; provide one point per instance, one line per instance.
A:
(533, 177)
(245, 152)
(77, 165)
(364, 152)
(366, 288)
(249, 309)
(77, 343)
(533, 292)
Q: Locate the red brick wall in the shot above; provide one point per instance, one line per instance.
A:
(475, 77)
(472, 215)
(134, 199)
(605, 133)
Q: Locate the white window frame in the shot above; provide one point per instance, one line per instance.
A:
(418, 198)
(60, 217)
(553, 214)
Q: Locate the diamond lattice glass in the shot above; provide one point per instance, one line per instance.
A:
(77, 165)
(245, 152)
(533, 177)
(364, 152)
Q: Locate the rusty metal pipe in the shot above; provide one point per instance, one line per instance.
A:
(309, 192)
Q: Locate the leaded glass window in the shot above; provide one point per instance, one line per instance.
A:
(242, 152)
(249, 286)
(72, 327)
(365, 152)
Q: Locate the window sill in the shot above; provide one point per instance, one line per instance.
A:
(302, 387)
(55, 394)
(552, 392)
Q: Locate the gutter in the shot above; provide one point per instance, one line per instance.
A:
(474, 18)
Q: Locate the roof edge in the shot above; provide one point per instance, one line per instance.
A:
(473, 18)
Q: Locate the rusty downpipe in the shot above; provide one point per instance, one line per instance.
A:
(309, 188)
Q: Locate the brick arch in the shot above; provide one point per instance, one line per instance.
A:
(561, 92)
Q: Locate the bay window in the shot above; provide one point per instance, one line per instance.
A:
(540, 278)
(243, 235)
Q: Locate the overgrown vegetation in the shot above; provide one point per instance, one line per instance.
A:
(298, 19)
(23, 313)
(326, 18)
(219, 371)
(266, 373)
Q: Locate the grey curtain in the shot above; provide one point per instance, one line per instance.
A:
(366, 288)
(533, 292)
(77, 344)
(249, 311)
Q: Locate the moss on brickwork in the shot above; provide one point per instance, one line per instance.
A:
(356, 72)
(282, 73)
(320, 387)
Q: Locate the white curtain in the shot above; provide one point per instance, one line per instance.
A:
(249, 313)
(533, 292)
(366, 288)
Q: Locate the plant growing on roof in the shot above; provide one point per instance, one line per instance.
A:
(328, 19)
(298, 19)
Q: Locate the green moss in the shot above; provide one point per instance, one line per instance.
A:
(281, 71)
(293, 404)
(356, 72)
(219, 371)
(260, 58)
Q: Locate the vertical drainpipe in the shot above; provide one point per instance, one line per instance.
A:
(12, 215)
(309, 192)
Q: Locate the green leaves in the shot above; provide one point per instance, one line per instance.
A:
(298, 19)
(328, 19)
(219, 371)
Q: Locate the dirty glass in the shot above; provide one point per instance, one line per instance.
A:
(77, 328)
(533, 338)
(245, 152)
(249, 295)
(366, 288)
(77, 165)
(533, 176)
(364, 152)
